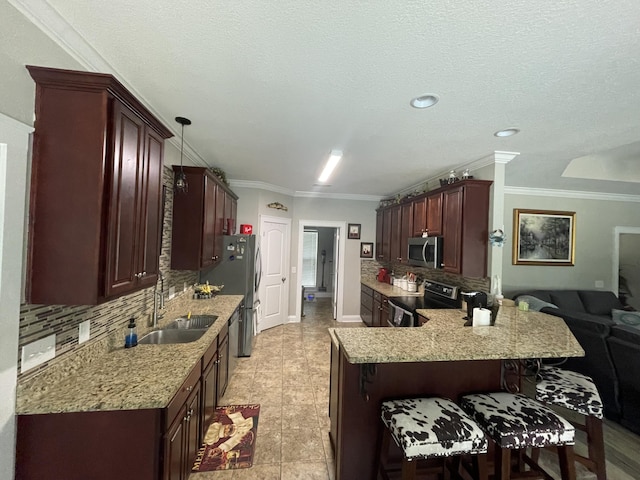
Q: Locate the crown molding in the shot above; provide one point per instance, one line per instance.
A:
(300, 194)
(56, 27)
(547, 192)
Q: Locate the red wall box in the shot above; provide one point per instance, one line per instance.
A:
(246, 229)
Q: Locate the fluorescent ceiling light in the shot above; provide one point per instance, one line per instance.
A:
(335, 157)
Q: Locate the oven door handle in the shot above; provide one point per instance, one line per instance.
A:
(397, 308)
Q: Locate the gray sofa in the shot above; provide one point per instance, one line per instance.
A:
(587, 313)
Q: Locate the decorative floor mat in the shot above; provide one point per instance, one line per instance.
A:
(230, 440)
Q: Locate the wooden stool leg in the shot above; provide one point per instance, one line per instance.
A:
(595, 441)
(567, 462)
(503, 464)
(481, 466)
(409, 469)
(383, 453)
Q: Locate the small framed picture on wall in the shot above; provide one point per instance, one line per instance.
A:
(366, 250)
(354, 231)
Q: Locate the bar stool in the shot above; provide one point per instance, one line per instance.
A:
(426, 428)
(516, 422)
(576, 392)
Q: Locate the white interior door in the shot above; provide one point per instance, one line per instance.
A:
(275, 282)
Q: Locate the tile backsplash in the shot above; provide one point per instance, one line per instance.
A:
(370, 268)
(39, 321)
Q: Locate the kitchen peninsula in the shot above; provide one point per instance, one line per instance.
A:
(441, 358)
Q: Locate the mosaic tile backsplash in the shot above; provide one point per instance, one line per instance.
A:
(39, 321)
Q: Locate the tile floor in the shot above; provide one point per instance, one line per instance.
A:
(288, 375)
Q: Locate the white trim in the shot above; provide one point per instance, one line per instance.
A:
(19, 127)
(547, 192)
(56, 27)
(297, 193)
(616, 254)
(293, 319)
(342, 229)
(351, 318)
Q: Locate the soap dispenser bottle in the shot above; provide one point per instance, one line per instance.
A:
(131, 337)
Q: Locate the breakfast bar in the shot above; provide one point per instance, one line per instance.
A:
(442, 358)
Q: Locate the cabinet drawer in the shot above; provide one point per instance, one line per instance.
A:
(366, 290)
(224, 331)
(177, 402)
(377, 296)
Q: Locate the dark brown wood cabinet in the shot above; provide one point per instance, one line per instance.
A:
(95, 207)
(465, 213)
(379, 234)
(406, 229)
(395, 234)
(386, 235)
(419, 216)
(380, 310)
(223, 367)
(199, 220)
(434, 214)
(366, 305)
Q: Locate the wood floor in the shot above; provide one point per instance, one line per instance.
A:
(288, 374)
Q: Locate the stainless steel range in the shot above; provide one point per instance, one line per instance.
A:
(436, 295)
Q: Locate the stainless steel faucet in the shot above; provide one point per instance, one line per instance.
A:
(158, 305)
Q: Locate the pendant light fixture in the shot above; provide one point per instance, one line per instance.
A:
(180, 182)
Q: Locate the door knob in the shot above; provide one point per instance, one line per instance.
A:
(283, 279)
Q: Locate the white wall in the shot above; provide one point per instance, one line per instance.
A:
(14, 142)
(595, 222)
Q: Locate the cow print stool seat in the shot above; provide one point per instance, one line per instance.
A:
(576, 392)
(517, 422)
(427, 428)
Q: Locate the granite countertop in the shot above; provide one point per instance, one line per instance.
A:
(389, 290)
(516, 334)
(146, 376)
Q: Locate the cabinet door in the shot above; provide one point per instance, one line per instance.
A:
(192, 431)
(375, 314)
(174, 450)
(219, 225)
(230, 208)
(419, 217)
(384, 312)
(209, 388)
(209, 223)
(395, 234)
(223, 367)
(452, 230)
(434, 214)
(379, 235)
(386, 235)
(406, 229)
(122, 269)
(151, 211)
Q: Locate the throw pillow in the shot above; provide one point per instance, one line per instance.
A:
(567, 300)
(535, 303)
(622, 317)
(599, 302)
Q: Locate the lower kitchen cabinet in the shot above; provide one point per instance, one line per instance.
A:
(366, 305)
(380, 310)
(153, 444)
(182, 439)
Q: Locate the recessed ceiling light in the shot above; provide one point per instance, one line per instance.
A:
(507, 132)
(425, 101)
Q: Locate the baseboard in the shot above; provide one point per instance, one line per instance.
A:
(293, 319)
(351, 318)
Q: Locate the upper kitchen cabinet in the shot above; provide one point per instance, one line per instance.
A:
(95, 202)
(465, 218)
(200, 221)
(434, 214)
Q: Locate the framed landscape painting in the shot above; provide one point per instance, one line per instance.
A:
(543, 237)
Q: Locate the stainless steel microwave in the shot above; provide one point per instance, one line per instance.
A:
(425, 252)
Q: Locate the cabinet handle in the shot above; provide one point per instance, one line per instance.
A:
(189, 388)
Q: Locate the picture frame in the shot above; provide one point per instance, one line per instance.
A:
(353, 231)
(366, 249)
(544, 237)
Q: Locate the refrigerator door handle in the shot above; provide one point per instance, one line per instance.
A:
(258, 276)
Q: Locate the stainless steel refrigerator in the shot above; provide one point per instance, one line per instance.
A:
(240, 272)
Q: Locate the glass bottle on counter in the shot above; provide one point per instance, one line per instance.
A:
(131, 337)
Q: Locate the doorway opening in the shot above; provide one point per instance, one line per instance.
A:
(626, 265)
(320, 264)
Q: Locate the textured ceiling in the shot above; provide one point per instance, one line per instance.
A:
(273, 87)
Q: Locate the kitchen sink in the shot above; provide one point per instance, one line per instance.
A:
(172, 335)
(196, 322)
